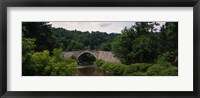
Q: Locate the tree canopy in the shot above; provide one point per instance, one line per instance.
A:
(142, 43)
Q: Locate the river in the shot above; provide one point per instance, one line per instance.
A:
(90, 70)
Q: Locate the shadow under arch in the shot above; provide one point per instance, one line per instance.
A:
(86, 58)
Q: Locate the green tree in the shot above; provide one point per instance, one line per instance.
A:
(41, 32)
(105, 47)
(169, 37)
(122, 45)
(28, 46)
(145, 48)
(40, 61)
(169, 41)
(91, 41)
(136, 44)
(75, 45)
(61, 66)
(54, 65)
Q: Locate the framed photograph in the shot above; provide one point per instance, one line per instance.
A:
(85, 48)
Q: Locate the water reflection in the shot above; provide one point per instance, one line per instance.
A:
(90, 70)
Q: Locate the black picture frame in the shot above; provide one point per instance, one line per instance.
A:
(98, 3)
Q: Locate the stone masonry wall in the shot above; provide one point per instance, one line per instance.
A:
(104, 55)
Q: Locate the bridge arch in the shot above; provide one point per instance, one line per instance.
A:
(87, 52)
(86, 58)
(104, 55)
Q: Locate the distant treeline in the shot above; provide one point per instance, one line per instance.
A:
(48, 37)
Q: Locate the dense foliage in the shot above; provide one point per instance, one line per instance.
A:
(141, 43)
(76, 40)
(54, 65)
(142, 49)
(138, 69)
(42, 64)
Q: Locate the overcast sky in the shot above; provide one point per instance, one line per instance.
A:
(109, 27)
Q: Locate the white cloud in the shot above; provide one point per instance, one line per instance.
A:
(105, 24)
(109, 27)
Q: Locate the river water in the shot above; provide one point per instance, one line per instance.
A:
(90, 70)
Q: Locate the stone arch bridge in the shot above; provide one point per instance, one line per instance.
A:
(104, 55)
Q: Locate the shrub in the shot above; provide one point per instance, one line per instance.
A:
(56, 65)
(162, 68)
(172, 71)
(65, 67)
(40, 60)
(167, 56)
(137, 69)
(137, 74)
(119, 69)
(99, 62)
(114, 68)
(154, 70)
